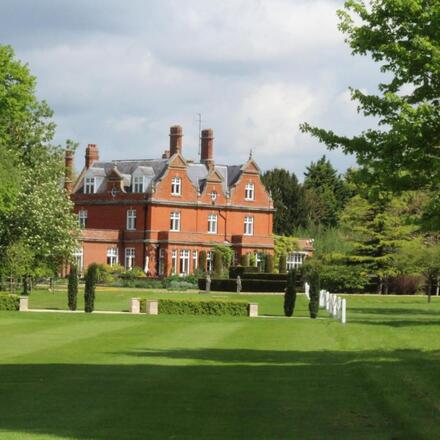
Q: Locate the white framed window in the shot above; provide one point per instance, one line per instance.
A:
(138, 184)
(82, 219)
(176, 186)
(129, 258)
(131, 219)
(257, 259)
(295, 259)
(89, 185)
(195, 260)
(212, 224)
(248, 225)
(184, 262)
(213, 195)
(161, 261)
(174, 262)
(209, 261)
(112, 256)
(175, 221)
(78, 257)
(249, 191)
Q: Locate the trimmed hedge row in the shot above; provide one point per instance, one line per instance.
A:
(234, 271)
(9, 302)
(264, 276)
(201, 307)
(225, 285)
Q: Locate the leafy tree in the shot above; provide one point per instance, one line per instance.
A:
(402, 151)
(290, 295)
(227, 254)
(72, 287)
(288, 199)
(34, 208)
(89, 288)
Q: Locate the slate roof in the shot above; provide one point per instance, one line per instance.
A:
(153, 170)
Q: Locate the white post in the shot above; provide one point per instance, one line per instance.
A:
(344, 311)
(321, 298)
(24, 304)
(152, 307)
(253, 310)
(307, 290)
(135, 306)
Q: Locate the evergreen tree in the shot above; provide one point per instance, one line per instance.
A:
(90, 286)
(377, 226)
(283, 263)
(270, 263)
(72, 287)
(315, 287)
(326, 192)
(218, 263)
(290, 295)
(288, 199)
(202, 261)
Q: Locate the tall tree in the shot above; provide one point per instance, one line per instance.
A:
(34, 208)
(403, 151)
(327, 192)
(377, 226)
(288, 198)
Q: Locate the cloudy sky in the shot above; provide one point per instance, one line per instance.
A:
(119, 73)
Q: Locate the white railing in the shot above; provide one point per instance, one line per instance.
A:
(334, 304)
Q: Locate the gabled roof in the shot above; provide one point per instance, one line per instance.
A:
(154, 169)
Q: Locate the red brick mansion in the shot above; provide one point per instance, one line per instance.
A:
(159, 214)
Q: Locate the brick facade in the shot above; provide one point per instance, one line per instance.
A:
(130, 205)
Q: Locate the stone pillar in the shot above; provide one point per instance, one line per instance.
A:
(24, 303)
(344, 311)
(253, 310)
(135, 306)
(152, 307)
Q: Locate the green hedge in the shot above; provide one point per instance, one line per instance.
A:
(234, 271)
(9, 302)
(203, 307)
(225, 285)
(265, 276)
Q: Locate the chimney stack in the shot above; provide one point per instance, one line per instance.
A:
(92, 154)
(176, 135)
(207, 151)
(68, 173)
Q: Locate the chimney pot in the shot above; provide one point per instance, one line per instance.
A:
(68, 160)
(207, 150)
(92, 154)
(176, 137)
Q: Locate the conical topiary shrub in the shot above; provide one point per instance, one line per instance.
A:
(72, 288)
(315, 286)
(89, 290)
(290, 295)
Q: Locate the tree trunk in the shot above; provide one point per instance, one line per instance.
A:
(380, 287)
(429, 289)
(437, 287)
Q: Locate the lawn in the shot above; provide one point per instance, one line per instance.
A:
(180, 377)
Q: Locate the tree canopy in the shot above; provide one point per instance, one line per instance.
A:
(403, 151)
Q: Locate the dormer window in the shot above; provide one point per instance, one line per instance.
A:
(138, 184)
(213, 196)
(249, 191)
(176, 186)
(89, 185)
